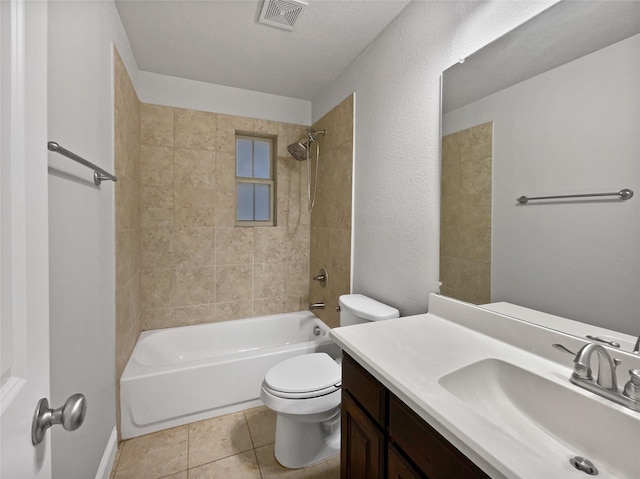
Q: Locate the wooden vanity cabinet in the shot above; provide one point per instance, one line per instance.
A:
(382, 438)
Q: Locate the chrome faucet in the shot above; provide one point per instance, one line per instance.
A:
(605, 384)
(606, 367)
(313, 306)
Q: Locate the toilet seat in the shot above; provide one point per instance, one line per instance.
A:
(304, 376)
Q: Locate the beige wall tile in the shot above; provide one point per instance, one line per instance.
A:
(195, 129)
(330, 244)
(127, 199)
(298, 279)
(157, 206)
(194, 246)
(266, 306)
(158, 319)
(190, 315)
(465, 243)
(299, 243)
(321, 246)
(271, 245)
(157, 246)
(157, 288)
(234, 245)
(269, 280)
(297, 303)
(233, 310)
(234, 282)
(195, 168)
(194, 285)
(226, 133)
(340, 250)
(124, 253)
(194, 206)
(187, 208)
(127, 215)
(156, 125)
(156, 164)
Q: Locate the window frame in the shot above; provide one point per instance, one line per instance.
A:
(271, 181)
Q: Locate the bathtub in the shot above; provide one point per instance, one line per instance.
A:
(179, 375)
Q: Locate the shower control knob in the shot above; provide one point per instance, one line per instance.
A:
(71, 415)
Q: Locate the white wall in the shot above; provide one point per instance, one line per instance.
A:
(182, 93)
(573, 129)
(397, 139)
(81, 226)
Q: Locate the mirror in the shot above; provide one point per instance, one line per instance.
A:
(551, 108)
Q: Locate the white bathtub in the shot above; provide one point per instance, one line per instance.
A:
(185, 374)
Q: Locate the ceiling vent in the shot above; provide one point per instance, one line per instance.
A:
(281, 13)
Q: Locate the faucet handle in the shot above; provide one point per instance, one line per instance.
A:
(632, 388)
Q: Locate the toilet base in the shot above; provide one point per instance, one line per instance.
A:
(300, 443)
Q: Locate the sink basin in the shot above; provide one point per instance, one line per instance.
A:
(551, 415)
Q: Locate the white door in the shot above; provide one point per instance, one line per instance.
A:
(24, 304)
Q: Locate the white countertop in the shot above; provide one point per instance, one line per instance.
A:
(409, 355)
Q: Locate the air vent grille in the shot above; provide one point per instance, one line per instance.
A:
(281, 13)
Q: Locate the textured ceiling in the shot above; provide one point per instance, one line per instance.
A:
(221, 42)
(563, 33)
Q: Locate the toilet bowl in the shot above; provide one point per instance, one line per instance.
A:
(305, 392)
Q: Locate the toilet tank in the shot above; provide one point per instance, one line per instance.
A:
(358, 308)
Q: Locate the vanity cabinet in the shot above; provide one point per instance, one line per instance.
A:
(382, 438)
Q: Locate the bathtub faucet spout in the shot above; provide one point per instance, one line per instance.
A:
(313, 306)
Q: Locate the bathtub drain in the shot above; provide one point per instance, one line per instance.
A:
(584, 465)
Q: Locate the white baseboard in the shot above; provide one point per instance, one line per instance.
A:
(109, 457)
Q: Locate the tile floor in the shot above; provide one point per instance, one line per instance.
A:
(235, 446)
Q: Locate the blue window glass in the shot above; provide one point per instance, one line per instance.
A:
(244, 158)
(262, 202)
(261, 159)
(245, 201)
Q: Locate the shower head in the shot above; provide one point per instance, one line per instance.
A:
(299, 150)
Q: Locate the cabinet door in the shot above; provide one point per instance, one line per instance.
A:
(399, 468)
(362, 454)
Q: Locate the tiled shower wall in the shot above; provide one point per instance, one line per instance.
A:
(331, 216)
(465, 219)
(197, 266)
(127, 198)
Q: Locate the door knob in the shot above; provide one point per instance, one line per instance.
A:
(70, 415)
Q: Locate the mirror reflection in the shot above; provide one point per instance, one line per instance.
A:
(552, 108)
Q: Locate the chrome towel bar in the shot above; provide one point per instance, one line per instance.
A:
(99, 175)
(623, 194)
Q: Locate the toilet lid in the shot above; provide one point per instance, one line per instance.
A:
(307, 372)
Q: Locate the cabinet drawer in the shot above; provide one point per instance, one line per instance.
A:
(431, 453)
(369, 393)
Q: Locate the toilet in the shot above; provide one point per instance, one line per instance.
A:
(305, 393)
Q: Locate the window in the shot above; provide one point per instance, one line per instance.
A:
(255, 183)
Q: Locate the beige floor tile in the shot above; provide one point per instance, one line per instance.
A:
(180, 475)
(334, 465)
(155, 455)
(262, 425)
(219, 437)
(270, 469)
(240, 466)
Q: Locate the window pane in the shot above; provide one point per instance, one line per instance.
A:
(245, 201)
(244, 153)
(261, 159)
(263, 206)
